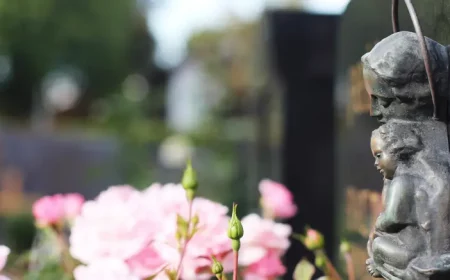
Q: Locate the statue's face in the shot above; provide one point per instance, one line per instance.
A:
(385, 162)
(381, 96)
(390, 101)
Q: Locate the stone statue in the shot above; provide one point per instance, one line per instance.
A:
(395, 77)
(402, 231)
(409, 97)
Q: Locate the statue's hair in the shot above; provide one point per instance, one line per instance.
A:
(398, 59)
(399, 56)
(402, 139)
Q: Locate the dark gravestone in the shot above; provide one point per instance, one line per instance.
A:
(363, 24)
(302, 52)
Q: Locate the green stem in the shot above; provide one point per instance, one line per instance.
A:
(235, 267)
(187, 239)
(350, 266)
(330, 270)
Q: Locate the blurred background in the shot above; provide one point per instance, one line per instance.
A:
(109, 92)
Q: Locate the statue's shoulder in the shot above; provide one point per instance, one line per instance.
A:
(406, 176)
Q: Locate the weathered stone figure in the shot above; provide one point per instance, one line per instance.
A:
(396, 78)
(407, 78)
(399, 215)
(410, 232)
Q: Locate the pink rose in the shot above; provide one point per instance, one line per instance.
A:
(210, 239)
(115, 225)
(264, 241)
(277, 200)
(49, 210)
(167, 199)
(72, 205)
(139, 229)
(4, 253)
(107, 268)
(269, 267)
(146, 263)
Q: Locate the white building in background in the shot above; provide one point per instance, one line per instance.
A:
(191, 94)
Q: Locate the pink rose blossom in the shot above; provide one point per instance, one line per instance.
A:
(115, 225)
(262, 235)
(269, 267)
(111, 269)
(72, 205)
(277, 200)
(49, 210)
(139, 229)
(210, 239)
(4, 253)
(146, 263)
(264, 241)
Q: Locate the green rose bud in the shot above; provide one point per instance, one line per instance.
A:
(189, 181)
(345, 247)
(313, 240)
(217, 268)
(235, 230)
(320, 261)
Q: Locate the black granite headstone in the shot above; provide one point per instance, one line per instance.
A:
(302, 52)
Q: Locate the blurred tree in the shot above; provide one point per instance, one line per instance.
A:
(105, 39)
(229, 56)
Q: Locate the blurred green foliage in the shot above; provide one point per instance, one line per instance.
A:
(20, 232)
(52, 271)
(104, 39)
(127, 121)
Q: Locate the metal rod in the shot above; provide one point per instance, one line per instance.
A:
(425, 54)
(395, 24)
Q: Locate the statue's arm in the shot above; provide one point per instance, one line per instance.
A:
(399, 205)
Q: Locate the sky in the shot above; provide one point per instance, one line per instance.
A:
(174, 21)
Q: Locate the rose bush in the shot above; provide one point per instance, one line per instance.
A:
(129, 234)
(166, 232)
(140, 228)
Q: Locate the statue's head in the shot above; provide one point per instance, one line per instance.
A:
(396, 79)
(394, 142)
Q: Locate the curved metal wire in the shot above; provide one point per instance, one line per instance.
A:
(423, 45)
(395, 24)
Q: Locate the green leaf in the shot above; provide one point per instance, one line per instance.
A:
(299, 237)
(304, 270)
(51, 271)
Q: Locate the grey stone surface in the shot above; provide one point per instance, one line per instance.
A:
(411, 238)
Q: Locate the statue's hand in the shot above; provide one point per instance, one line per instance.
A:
(391, 273)
(371, 268)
